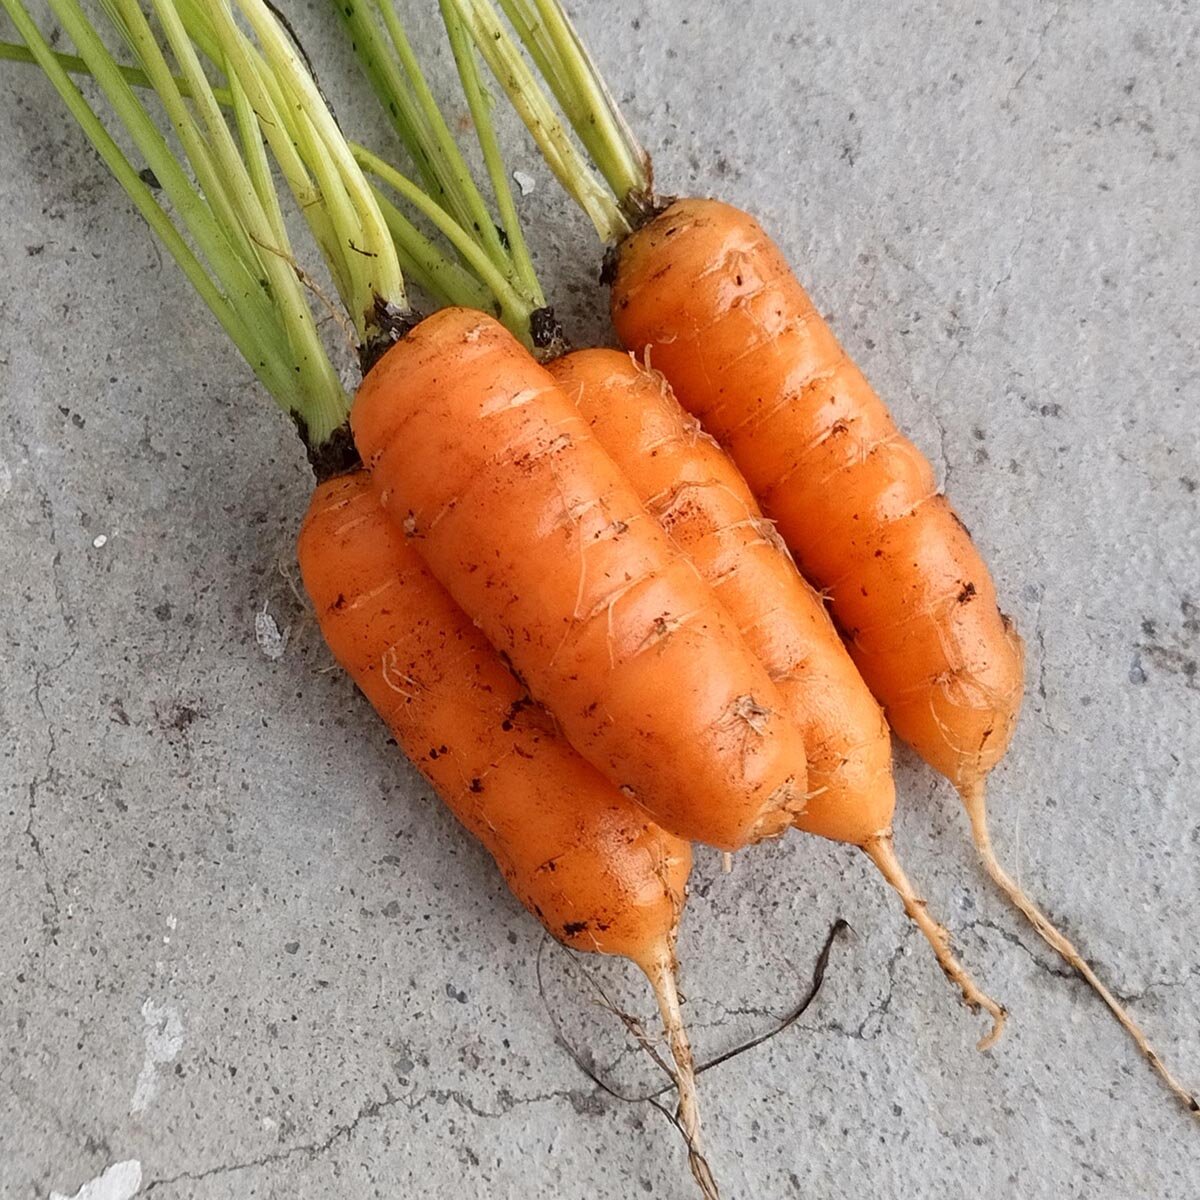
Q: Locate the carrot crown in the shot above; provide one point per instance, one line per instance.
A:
(242, 108)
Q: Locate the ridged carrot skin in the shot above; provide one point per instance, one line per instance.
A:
(586, 861)
(724, 318)
(692, 488)
(484, 462)
(695, 492)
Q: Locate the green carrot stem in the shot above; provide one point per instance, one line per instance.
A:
(480, 104)
(444, 279)
(456, 175)
(379, 268)
(515, 309)
(514, 76)
(596, 118)
(262, 342)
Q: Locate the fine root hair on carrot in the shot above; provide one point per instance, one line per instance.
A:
(817, 980)
(881, 851)
(975, 802)
(661, 971)
(661, 968)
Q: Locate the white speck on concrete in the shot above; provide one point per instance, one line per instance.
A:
(100, 540)
(118, 1182)
(163, 1036)
(266, 633)
(5, 478)
(525, 182)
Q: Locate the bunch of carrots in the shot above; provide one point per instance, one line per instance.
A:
(609, 603)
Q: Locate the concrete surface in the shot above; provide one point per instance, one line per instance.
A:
(243, 951)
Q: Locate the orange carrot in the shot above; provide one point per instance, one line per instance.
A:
(585, 860)
(728, 323)
(702, 289)
(485, 463)
(698, 496)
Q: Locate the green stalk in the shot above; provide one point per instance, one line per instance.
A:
(515, 309)
(507, 64)
(288, 359)
(224, 44)
(218, 244)
(233, 210)
(532, 32)
(128, 17)
(598, 121)
(388, 82)
(261, 223)
(445, 279)
(244, 335)
(480, 104)
(378, 271)
(74, 65)
(459, 178)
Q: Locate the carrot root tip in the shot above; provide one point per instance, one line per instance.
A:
(882, 853)
(661, 972)
(973, 796)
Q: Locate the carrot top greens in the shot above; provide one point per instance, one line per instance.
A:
(574, 80)
(218, 103)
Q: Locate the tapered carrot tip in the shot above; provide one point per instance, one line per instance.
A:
(973, 794)
(660, 970)
(882, 853)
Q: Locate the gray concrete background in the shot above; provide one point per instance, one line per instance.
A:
(241, 946)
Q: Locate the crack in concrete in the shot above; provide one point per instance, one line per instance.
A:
(370, 1111)
(50, 778)
(1043, 36)
(879, 1010)
(1064, 972)
(50, 775)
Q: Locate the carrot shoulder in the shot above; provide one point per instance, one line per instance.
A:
(483, 461)
(746, 351)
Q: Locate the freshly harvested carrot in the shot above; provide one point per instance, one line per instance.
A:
(701, 286)
(485, 463)
(690, 486)
(704, 290)
(586, 861)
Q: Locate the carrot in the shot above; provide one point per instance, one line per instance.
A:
(699, 284)
(698, 496)
(703, 289)
(583, 859)
(586, 859)
(520, 514)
